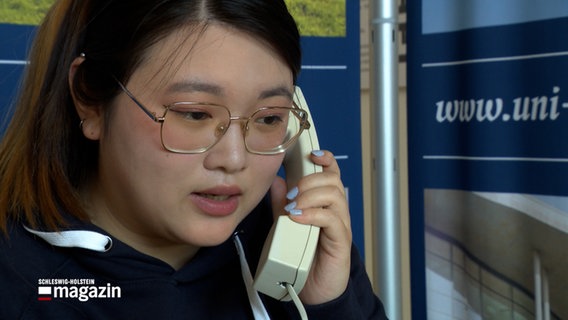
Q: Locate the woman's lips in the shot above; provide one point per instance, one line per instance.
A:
(218, 201)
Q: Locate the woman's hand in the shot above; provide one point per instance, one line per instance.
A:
(321, 201)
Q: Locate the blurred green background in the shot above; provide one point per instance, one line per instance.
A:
(23, 11)
(324, 18)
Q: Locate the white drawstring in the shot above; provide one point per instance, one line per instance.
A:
(76, 238)
(256, 304)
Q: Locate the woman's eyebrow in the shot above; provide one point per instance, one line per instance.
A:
(214, 89)
(276, 92)
(196, 86)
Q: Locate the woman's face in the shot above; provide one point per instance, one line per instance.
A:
(153, 199)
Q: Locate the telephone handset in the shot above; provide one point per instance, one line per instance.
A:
(290, 247)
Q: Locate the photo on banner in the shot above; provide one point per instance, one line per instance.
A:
(479, 261)
(23, 12)
(487, 107)
(319, 18)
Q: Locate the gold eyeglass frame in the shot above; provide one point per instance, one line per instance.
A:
(300, 113)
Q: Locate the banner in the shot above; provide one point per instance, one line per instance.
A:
(330, 80)
(488, 158)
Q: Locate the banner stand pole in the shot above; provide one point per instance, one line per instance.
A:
(384, 91)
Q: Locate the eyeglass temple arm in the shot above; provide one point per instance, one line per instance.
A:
(138, 103)
(305, 119)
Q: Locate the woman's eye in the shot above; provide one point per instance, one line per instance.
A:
(196, 115)
(270, 120)
(192, 114)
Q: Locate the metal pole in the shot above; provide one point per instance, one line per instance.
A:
(385, 104)
(545, 295)
(537, 286)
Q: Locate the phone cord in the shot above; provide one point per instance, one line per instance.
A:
(297, 301)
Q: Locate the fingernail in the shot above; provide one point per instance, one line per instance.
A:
(290, 206)
(292, 193)
(318, 153)
(295, 212)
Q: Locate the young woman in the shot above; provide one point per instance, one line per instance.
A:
(146, 144)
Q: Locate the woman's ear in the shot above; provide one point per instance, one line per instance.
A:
(91, 115)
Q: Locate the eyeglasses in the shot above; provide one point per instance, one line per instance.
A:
(195, 127)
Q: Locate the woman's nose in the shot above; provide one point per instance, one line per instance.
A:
(229, 154)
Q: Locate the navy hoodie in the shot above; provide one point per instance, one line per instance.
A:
(41, 281)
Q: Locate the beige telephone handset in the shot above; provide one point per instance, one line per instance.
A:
(290, 247)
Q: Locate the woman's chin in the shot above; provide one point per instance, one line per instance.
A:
(210, 237)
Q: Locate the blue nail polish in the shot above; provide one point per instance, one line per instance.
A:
(318, 153)
(290, 206)
(292, 193)
(295, 212)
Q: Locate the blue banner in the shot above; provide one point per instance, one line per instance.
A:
(330, 80)
(488, 158)
(14, 42)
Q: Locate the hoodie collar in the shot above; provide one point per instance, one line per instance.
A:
(104, 246)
